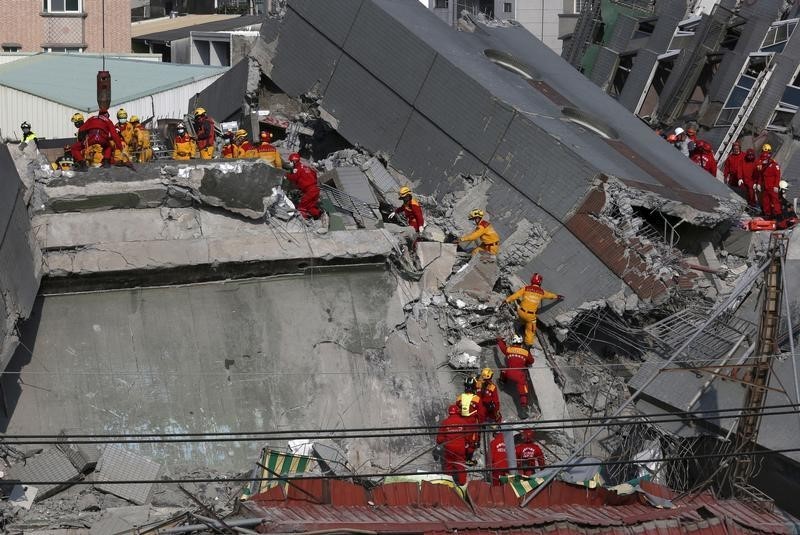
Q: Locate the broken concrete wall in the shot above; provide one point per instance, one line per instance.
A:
(20, 259)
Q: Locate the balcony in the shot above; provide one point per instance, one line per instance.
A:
(63, 30)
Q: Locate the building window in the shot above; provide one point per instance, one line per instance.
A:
(441, 4)
(507, 7)
(579, 5)
(12, 48)
(777, 36)
(61, 6)
(65, 49)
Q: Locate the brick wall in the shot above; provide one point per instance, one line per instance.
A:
(118, 25)
(20, 23)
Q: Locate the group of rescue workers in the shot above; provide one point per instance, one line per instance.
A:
(756, 177)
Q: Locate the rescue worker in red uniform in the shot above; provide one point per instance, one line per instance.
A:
(97, 131)
(489, 396)
(749, 177)
(703, 156)
(470, 402)
(204, 129)
(733, 168)
(518, 360)
(498, 457)
(410, 209)
(529, 454)
(267, 152)
(531, 297)
(228, 150)
(305, 179)
(485, 232)
(458, 437)
(770, 177)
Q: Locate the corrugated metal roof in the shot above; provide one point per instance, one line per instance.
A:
(432, 508)
(70, 79)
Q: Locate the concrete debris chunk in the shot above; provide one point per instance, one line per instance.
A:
(83, 457)
(437, 260)
(50, 465)
(477, 278)
(466, 354)
(352, 181)
(129, 519)
(550, 397)
(382, 180)
(119, 464)
(23, 496)
(432, 232)
(330, 458)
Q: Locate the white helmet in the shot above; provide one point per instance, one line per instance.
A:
(783, 184)
(679, 131)
(516, 339)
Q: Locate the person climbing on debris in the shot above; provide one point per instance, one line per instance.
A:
(64, 162)
(733, 169)
(267, 152)
(410, 209)
(749, 177)
(228, 148)
(518, 360)
(458, 436)
(769, 178)
(530, 298)
(183, 146)
(470, 402)
(242, 146)
(304, 178)
(97, 138)
(703, 156)
(489, 396)
(498, 457)
(485, 232)
(529, 453)
(141, 146)
(788, 217)
(204, 129)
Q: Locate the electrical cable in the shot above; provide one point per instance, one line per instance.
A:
(416, 430)
(420, 473)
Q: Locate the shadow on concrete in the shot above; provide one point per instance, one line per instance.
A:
(11, 380)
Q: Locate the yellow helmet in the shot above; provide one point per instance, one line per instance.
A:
(477, 213)
(199, 111)
(487, 373)
(766, 147)
(122, 114)
(134, 118)
(241, 132)
(405, 190)
(77, 117)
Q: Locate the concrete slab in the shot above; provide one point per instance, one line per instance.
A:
(118, 464)
(477, 278)
(437, 260)
(250, 355)
(50, 465)
(548, 394)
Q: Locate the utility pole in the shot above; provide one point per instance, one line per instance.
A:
(760, 373)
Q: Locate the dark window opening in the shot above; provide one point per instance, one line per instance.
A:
(487, 8)
(441, 4)
(507, 7)
(621, 74)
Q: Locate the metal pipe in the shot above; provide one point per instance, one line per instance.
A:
(719, 310)
(245, 522)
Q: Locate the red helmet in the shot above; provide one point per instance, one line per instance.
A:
(536, 279)
(294, 157)
(453, 409)
(528, 435)
(704, 145)
(750, 155)
(265, 136)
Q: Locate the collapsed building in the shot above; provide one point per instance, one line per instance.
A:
(180, 299)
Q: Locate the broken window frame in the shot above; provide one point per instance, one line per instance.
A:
(778, 35)
(784, 113)
(750, 71)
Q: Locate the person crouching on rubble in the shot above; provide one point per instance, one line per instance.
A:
(458, 437)
(530, 299)
(484, 232)
(304, 178)
(410, 209)
(518, 360)
(228, 148)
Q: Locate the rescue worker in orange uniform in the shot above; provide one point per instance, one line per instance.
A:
(470, 402)
(228, 148)
(529, 453)
(518, 359)
(498, 457)
(410, 209)
(97, 138)
(749, 177)
(304, 178)
(458, 435)
(489, 396)
(733, 168)
(183, 146)
(204, 129)
(531, 297)
(242, 146)
(770, 177)
(122, 154)
(141, 147)
(485, 232)
(269, 153)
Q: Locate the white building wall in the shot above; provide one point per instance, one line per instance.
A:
(52, 120)
(540, 17)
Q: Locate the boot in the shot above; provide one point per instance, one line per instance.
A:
(80, 167)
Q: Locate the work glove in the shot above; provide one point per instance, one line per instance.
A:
(741, 183)
(560, 297)
(757, 187)
(776, 189)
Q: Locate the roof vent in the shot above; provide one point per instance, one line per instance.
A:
(589, 122)
(510, 63)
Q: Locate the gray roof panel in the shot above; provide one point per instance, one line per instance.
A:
(334, 19)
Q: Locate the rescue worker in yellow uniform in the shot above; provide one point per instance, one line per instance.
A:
(125, 129)
(142, 147)
(267, 152)
(485, 232)
(530, 299)
(183, 146)
(242, 146)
